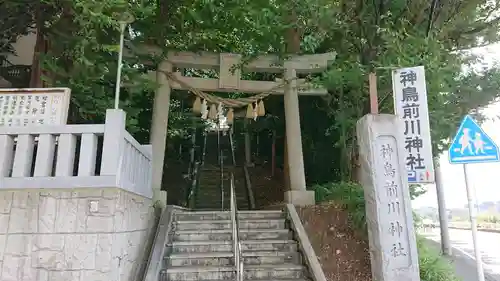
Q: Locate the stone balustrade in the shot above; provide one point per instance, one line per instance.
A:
(75, 156)
(75, 202)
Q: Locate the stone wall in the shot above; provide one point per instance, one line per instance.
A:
(77, 235)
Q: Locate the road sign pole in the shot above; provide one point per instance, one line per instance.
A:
(443, 215)
(473, 221)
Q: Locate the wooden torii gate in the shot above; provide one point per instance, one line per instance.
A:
(230, 81)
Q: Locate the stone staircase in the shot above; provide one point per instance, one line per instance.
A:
(201, 247)
(208, 196)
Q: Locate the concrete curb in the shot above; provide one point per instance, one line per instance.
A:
(307, 250)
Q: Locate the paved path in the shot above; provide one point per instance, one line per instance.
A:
(463, 252)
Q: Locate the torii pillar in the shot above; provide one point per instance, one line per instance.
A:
(298, 194)
(158, 132)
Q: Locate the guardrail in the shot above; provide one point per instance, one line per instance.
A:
(75, 156)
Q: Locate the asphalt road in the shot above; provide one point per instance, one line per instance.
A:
(489, 244)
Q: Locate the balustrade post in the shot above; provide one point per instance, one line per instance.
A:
(6, 154)
(114, 141)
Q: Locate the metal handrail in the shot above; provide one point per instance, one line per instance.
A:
(238, 261)
(204, 149)
(248, 184)
(195, 174)
(233, 157)
(221, 167)
(194, 184)
(192, 153)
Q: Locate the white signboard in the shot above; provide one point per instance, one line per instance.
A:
(34, 107)
(410, 104)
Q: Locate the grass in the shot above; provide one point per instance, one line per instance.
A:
(433, 267)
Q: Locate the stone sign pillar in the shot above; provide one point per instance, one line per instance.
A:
(393, 248)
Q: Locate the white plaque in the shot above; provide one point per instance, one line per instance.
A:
(410, 105)
(34, 107)
(393, 247)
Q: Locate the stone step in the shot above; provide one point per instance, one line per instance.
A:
(269, 245)
(218, 202)
(216, 197)
(226, 224)
(216, 192)
(227, 235)
(216, 206)
(258, 272)
(204, 201)
(220, 215)
(227, 258)
(271, 257)
(227, 246)
(213, 181)
(200, 259)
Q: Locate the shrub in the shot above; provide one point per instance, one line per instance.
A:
(350, 195)
(433, 267)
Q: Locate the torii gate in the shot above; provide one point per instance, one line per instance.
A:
(230, 81)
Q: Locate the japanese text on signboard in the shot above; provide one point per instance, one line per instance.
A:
(33, 108)
(411, 106)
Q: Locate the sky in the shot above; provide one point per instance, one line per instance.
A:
(485, 178)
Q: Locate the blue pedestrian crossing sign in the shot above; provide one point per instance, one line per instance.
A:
(472, 145)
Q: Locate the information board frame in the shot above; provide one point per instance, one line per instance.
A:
(58, 98)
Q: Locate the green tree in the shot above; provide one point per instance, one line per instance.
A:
(367, 36)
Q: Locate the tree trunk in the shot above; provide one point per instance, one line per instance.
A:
(41, 47)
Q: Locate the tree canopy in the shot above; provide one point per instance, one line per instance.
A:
(368, 36)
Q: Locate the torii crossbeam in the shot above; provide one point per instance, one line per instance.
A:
(230, 67)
